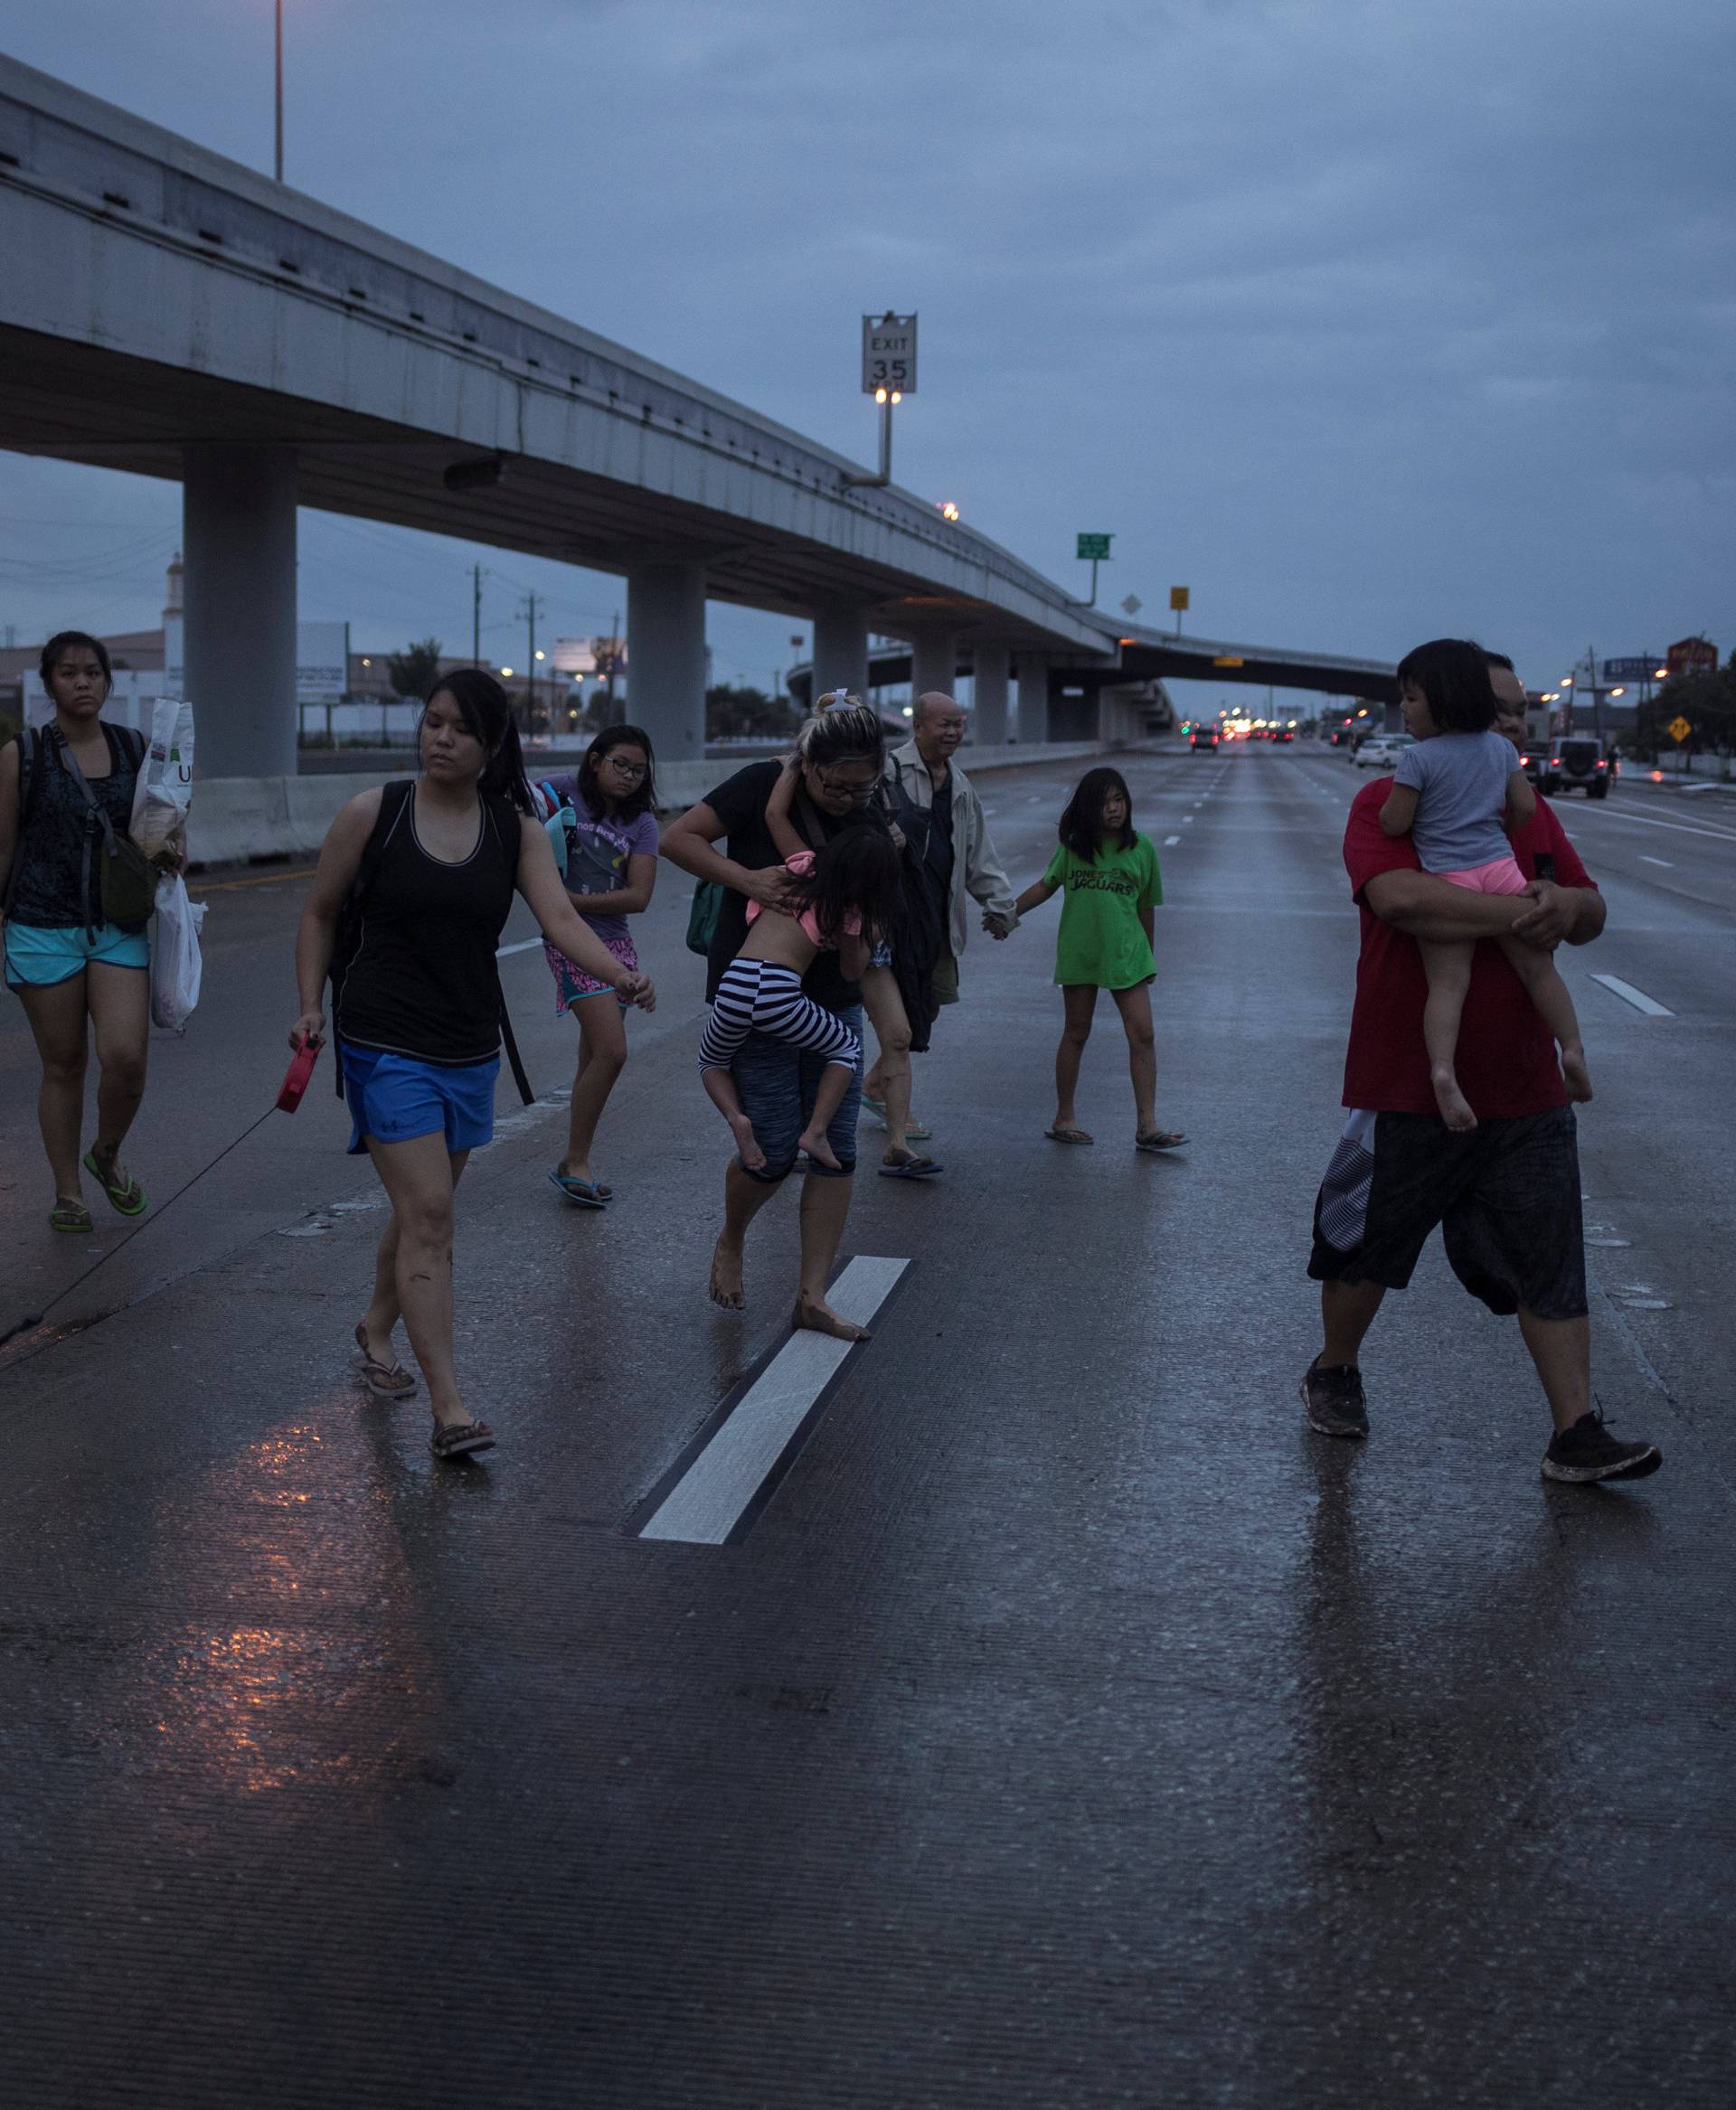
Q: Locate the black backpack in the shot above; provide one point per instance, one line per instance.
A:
(348, 942)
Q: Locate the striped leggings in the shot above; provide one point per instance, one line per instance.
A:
(758, 996)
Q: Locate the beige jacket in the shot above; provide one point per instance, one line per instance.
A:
(977, 872)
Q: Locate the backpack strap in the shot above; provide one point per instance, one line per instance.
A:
(392, 799)
(28, 740)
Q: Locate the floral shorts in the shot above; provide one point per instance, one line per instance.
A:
(572, 985)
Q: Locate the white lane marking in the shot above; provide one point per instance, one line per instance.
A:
(1171, 841)
(523, 946)
(708, 1501)
(1187, 820)
(1662, 860)
(1637, 997)
(1675, 827)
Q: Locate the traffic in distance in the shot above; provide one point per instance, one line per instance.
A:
(1554, 764)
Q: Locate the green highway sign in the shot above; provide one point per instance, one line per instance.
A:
(1096, 547)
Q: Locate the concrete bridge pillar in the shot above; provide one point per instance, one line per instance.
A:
(666, 657)
(239, 536)
(991, 675)
(1034, 699)
(934, 662)
(841, 650)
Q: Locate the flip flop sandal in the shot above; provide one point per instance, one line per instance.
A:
(385, 1380)
(913, 1167)
(125, 1193)
(582, 1193)
(461, 1439)
(1067, 1135)
(73, 1217)
(1159, 1139)
(914, 1130)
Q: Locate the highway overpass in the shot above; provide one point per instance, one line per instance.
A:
(168, 312)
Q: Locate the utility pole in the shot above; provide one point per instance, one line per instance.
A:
(475, 615)
(614, 661)
(534, 605)
(279, 34)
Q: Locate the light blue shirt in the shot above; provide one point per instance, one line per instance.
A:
(1461, 780)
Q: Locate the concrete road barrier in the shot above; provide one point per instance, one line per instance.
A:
(237, 819)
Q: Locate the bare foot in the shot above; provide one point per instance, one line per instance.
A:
(1578, 1078)
(747, 1142)
(725, 1287)
(813, 1141)
(1455, 1107)
(815, 1315)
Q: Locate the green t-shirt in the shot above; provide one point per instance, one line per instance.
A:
(1101, 939)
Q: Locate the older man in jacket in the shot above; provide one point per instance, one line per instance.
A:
(939, 810)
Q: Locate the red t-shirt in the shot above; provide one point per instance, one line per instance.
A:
(1506, 1060)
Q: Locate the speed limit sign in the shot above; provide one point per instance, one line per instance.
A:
(889, 353)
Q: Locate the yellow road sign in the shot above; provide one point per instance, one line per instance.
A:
(1678, 728)
(1227, 659)
(1178, 598)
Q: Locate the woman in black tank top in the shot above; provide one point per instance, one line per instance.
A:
(422, 878)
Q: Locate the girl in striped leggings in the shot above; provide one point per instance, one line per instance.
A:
(842, 896)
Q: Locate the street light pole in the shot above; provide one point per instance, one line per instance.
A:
(279, 92)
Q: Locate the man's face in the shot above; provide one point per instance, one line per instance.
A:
(1510, 693)
(940, 728)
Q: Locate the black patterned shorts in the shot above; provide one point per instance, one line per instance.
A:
(1506, 1197)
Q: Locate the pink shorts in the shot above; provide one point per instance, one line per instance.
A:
(1501, 875)
(572, 985)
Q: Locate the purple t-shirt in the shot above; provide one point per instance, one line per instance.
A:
(597, 852)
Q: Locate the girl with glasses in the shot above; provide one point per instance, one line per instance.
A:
(612, 872)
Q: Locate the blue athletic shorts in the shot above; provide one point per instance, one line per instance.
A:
(394, 1098)
(775, 1085)
(38, 959)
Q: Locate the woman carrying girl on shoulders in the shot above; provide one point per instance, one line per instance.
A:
(66, 801)
(610, 873)
(417, 1003)
(1108, 876)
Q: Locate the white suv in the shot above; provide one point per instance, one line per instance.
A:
(1380, 751)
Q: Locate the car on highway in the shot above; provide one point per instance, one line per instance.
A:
(1380, 751)
(1202, 738)
(1574, 762)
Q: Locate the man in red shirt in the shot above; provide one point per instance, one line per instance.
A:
(1506, 1193)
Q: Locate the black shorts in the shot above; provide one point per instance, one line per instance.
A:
(1506, 1197)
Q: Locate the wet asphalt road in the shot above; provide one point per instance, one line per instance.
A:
(1070, 1727)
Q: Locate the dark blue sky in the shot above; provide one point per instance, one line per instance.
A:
(1367, 319)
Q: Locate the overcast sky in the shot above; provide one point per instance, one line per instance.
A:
(1366, 319)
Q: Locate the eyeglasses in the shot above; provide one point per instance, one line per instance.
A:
(632, 771)
(840, 788)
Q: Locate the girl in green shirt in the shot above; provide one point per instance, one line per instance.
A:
(1108, 876)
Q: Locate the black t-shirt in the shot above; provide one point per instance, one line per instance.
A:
(940, 851)
(739, 803)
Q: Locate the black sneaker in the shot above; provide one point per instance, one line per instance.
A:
(1588, 1451)
(1333, 1395)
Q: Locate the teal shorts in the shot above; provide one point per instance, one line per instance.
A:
(39, 959)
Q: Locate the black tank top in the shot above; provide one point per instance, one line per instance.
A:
(422, 979)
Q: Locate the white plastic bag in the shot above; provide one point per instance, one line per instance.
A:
(165, 788)
(176, 968)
